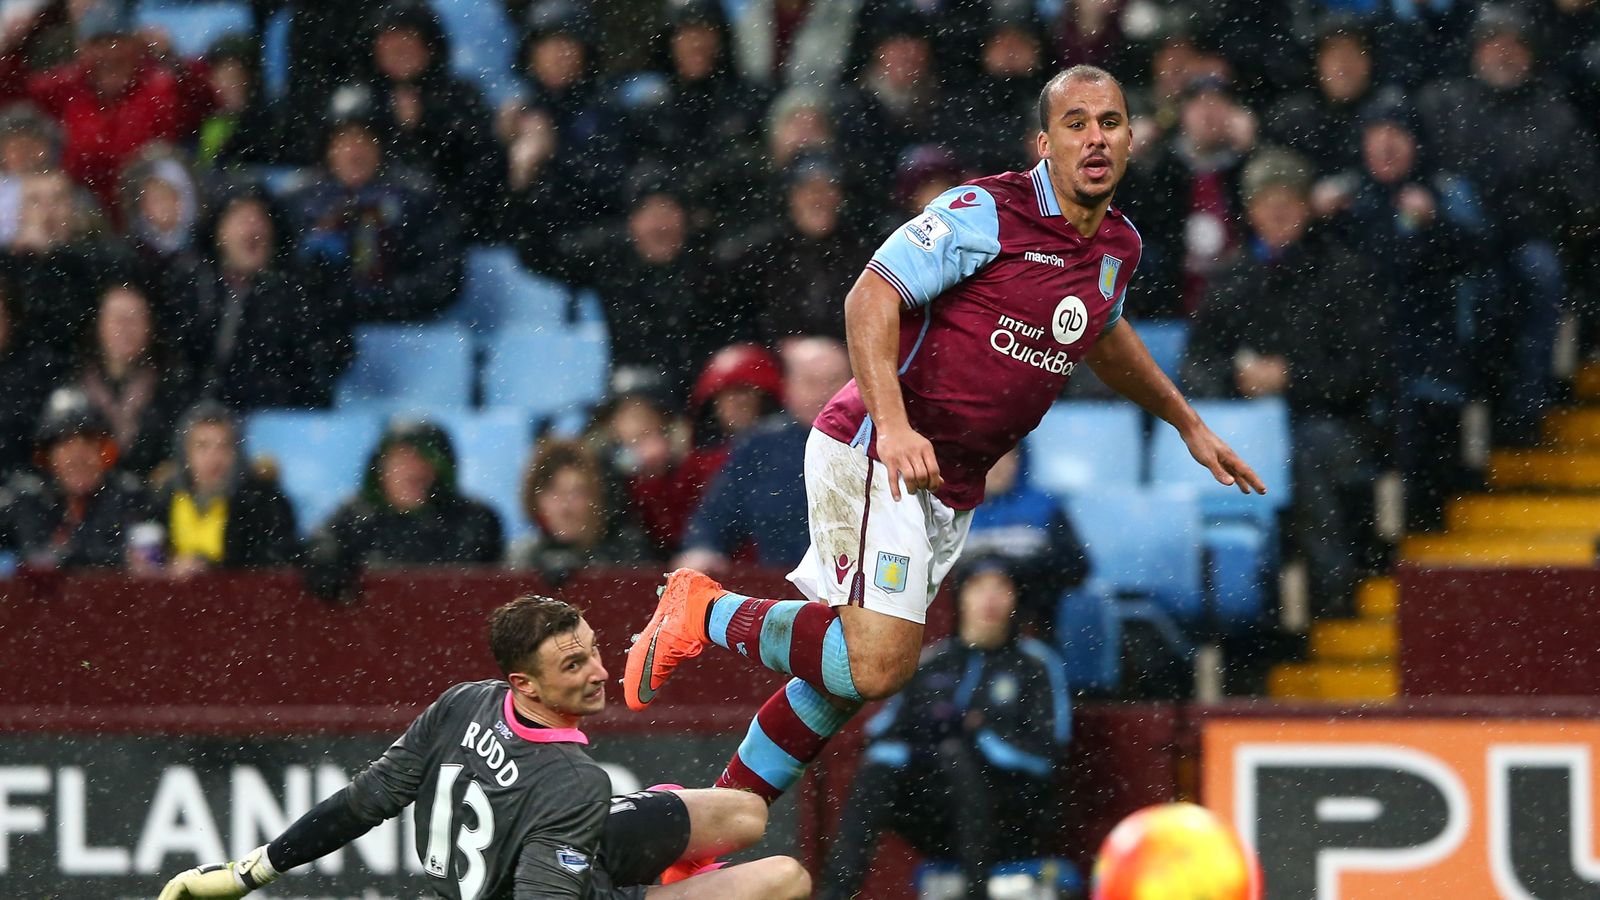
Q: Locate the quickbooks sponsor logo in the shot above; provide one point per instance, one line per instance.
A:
(1008, 337)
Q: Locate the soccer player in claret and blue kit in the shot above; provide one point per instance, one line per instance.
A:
(510, 807)
(963, 330)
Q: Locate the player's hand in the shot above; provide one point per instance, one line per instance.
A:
(222, 881)
(909, 456)
(1210, 451)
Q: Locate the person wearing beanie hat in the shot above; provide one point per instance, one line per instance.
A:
(439, 124)
(962, 761)
(408, 512)
(1422, 227)
(1533, 155)
(1281, 321)
(805, 256)
(371, 241)
(899, 99)
(75, 510)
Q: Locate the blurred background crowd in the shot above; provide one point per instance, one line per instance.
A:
(430, 220)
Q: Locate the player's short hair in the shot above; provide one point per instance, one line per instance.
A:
(518, 629)
(1092, 74)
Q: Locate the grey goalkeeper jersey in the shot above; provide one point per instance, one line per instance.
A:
(503, 811)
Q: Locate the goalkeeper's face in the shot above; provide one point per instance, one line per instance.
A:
(571, 679)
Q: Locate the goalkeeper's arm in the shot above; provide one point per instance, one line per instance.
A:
(329, 826)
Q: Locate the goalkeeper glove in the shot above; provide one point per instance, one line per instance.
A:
(223, 881)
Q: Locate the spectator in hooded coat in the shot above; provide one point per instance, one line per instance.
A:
(409, 512)
(438, 124)
(364, 234)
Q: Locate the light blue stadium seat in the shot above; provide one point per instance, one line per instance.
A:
(1259, 431)
(499, 293)
(275, 54)
(321, 455)
(281, 181)
(1241, 531)
(426, 365)
(1082, 443)
(546, 373)
(196, 27)
(493, 447)
(939, 879)
(1144, 542)
(1236, 559)
(1088, 632)
(1167, 340)
(483, 44)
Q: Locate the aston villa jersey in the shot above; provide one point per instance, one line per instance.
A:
(1003, 298)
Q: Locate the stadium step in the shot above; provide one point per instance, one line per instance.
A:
(1343, 682)
(1501, 549)
(1378, 598)
(1548, 469)
(1366, 640)
(1525, 512)
(1574, 427)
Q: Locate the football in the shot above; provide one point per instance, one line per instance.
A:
(1175, 850)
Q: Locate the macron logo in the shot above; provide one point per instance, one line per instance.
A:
(1049, 259)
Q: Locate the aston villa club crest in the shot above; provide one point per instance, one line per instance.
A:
(1110, 266)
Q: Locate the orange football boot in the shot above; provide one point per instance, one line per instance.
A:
(676, 632)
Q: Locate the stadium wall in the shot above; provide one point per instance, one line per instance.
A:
(145, 722)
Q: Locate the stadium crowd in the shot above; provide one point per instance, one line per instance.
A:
(1379, 211)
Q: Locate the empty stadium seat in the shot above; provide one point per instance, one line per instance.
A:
(1241, 530)
(499, 293)
(483, 44)
(1088, 632)
(546, 373)
(275, 54)
(1084, 443)
(938, 879)
(195, 27)
(1258, 430)
(1167, 340)
(425, 365)
(492, 451)
(321, 455)
(1144, 542)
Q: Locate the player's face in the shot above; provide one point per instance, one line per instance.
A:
(1087, 141)
(571, 679)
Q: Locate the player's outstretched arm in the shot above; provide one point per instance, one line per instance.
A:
(329, 825)
(872, 331)
(222, 881)
(1120, 360)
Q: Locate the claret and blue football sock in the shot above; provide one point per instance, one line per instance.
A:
(794, 637)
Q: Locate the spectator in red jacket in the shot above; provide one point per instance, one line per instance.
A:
(112, 99)
(739, 385)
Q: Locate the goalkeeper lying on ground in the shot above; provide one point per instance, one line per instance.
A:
(509, 807)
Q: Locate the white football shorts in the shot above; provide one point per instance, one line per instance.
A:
(867, 549)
